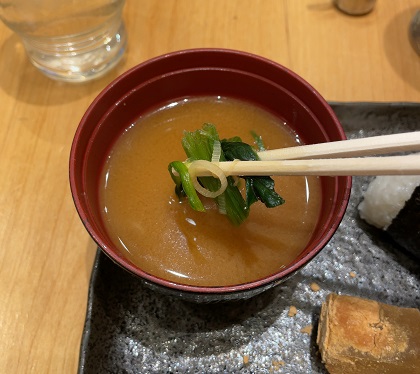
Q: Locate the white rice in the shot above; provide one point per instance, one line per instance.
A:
(385, 197)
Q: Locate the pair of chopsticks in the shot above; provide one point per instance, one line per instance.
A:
(339, 158)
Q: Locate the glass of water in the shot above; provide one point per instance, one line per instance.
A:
(69, 40)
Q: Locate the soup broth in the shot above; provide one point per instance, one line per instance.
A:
(166, 237)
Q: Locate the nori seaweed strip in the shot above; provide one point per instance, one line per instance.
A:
(405, 228)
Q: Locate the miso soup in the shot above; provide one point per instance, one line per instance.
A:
(164, 236)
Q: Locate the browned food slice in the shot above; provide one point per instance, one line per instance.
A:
(364, 336)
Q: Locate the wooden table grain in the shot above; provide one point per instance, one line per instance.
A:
(45, 254)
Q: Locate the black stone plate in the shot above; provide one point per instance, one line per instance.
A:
(131, 329)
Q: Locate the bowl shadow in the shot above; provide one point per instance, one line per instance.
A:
(394, 35)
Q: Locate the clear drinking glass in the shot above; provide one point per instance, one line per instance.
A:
(70, 40)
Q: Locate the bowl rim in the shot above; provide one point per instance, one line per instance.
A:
(193, 289)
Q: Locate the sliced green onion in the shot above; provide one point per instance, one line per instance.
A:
(217, 151)
(214, 170)
(184, 184)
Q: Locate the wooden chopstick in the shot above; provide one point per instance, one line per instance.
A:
(333, 159)
(391, 165)
(348, 148)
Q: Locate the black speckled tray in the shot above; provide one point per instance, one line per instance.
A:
(131, 329)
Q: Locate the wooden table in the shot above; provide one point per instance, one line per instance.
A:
(45, 254)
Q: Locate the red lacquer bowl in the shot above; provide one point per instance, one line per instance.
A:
(203, 72)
